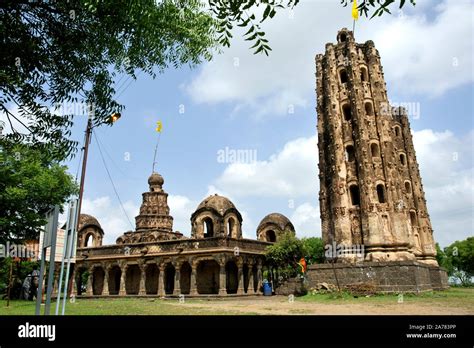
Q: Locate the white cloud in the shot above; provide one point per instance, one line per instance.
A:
(428, 57)
(447, 172)
(291, 172)
(417, 54)
(306, 220)
(446, 166)
(110, 216)
(181, 208)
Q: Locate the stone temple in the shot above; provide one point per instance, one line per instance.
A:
(155, 260)
(371, 196)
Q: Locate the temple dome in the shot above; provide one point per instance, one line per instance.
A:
(86, 220)
(277, 219)
(218, 203)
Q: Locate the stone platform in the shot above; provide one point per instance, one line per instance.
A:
(386, 277)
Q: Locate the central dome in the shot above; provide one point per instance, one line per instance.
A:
(218, 203)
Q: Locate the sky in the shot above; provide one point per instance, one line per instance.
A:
(264, 107)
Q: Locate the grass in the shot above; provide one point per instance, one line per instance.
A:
(115, 306)
(452, 298)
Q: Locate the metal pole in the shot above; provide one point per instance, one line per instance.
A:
(70, 248)
(52, 255)
(39, 290)
(65, 246)
(84, 164)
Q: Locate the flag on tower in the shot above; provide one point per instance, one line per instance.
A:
(355, 13)
(159, 126)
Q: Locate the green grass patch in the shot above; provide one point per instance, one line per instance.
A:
(115, 306)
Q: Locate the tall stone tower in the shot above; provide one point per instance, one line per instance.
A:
(370, 186)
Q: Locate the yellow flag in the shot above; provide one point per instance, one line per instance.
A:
(159, 126)
(355, 13)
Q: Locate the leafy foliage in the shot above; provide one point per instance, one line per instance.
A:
(314, 249)
(30, 184)
(379, 6)
(71, 51)
(286, 253)
(459, 260)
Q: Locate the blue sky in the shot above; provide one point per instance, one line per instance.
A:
(267, 104)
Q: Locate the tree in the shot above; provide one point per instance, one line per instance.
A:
(285, 254)
(30, 184)
(441, 257)
(460, 260)
(56, 52)
(314, 249)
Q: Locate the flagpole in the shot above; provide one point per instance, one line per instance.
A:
(156, 150)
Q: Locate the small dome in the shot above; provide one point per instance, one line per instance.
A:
(88, 220)
(218, 203)
(277, 219)
(155, 179)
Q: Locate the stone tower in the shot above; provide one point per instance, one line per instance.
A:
(370, 186)
(154, 211)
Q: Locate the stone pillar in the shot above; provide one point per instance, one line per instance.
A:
(250, 289)
(193, 289)
(240, 279)
(105, 289)
(73, 286)
(259, 277)
(142, 290)
(177, 285)
(161, 281)
(89, 291)
(123, 278)
(222, 276)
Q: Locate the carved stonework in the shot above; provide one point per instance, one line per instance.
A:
(379, 180)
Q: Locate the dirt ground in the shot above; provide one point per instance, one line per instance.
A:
(280, 305)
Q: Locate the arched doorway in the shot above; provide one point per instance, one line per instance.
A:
(151, 279)
(98, 276)
(232, 282)
(115, 273)
(185, 278)
(132, 280)
(208, 277)
(169, 278)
